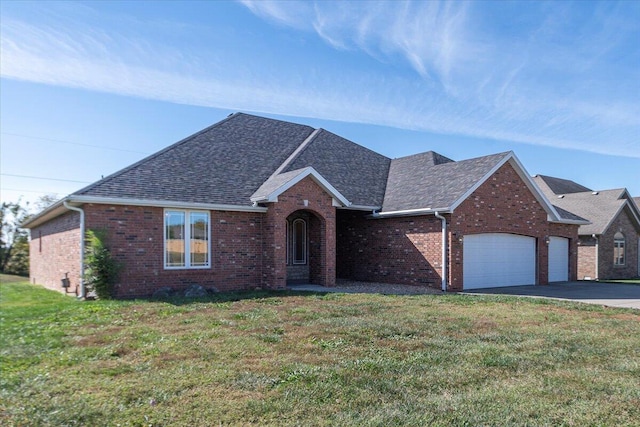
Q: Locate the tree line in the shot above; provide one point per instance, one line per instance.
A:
(14, 240)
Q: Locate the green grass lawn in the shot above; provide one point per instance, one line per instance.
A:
(309, 359)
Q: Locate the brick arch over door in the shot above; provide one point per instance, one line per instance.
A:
(308, 198)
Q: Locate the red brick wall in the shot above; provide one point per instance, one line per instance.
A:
(135, 235)
(404, 250)
(607, 270)
(54, 250)
(323, 261)
(408, 249)
(504, 204)
(571, 233)
(587, 258)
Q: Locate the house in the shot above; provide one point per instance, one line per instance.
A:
(608, 247)
(255, 202)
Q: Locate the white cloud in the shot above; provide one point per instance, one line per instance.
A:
(464, 82)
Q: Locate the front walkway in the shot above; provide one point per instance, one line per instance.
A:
(600, 293)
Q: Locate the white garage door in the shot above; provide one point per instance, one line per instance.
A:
(498, 259)
(558, 259)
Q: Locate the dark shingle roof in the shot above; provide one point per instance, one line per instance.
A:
(415, 182)
(356, 172)
(225, 164)
(598, 207)
(561, 186)
(565, 214)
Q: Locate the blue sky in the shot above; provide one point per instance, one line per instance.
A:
(89, 88)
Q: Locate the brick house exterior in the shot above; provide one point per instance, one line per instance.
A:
(279, 203)
(610, 213)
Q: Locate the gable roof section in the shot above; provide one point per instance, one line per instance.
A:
(415, 186)
(559, 185)
(356, 172)
(599, 207)
(225, 164)
(415, 182)
(278, 184)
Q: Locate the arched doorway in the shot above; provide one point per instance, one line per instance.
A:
(305, 244)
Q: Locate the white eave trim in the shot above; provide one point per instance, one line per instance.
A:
(362, 208)
(410, 212)
(58, 208)
(570, 221)
(308, 171)
(164, 204)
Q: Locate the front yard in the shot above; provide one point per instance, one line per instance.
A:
(308, 359)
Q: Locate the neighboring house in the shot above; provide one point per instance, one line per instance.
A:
(255, 202)
(608, 247)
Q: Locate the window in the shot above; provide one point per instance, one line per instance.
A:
(618, 249)
(299, 233)
(286, 239)
(186, 239)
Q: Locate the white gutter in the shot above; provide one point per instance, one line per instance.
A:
(73, 208)
(408, 212)
(597, 257)
(444, 250)
(164, 204)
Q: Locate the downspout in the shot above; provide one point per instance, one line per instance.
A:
(597, 257)
(73, 208)
(444, 250)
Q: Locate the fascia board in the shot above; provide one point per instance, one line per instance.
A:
(164, 204)
(361, 208)
(51, 212)
(58, 208)
(410, 212)
(318, 179)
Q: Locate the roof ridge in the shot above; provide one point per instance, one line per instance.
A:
(294, 155)
(154, 155)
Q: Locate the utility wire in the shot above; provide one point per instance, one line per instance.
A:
(27, 191)
(72, 143)
(46, 179)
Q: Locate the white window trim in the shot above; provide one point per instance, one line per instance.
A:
(620, 243)
(187, 240)
(294, 261)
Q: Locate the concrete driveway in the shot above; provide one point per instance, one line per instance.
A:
(609, 294)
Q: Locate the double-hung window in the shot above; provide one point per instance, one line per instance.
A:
(618, 249)
(186, 239)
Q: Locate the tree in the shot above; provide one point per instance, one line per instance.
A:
(101, 270)
(14, 241)
(44, 202)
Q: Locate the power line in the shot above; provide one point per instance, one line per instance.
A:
(60, 141)
(27, 191)
(46, 179)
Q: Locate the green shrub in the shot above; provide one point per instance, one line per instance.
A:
(101, 270)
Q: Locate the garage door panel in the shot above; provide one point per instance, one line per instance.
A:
(558, 259)
(498, 259)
